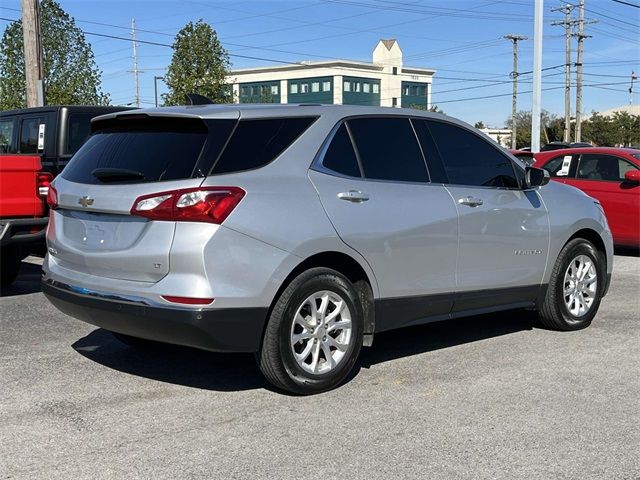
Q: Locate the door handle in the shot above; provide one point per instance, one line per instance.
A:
(354, 196)
(470, 201)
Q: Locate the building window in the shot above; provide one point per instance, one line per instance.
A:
(326, 86)
(356, 87)
(274, 89)
(294, 88)
(304, 88)
(395, 70)
(394, 101)
(245, 91)
(315, 87)
(405, 91)
(376, 88)
(366, 87)
(347, 86)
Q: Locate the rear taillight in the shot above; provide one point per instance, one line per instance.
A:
(44, 180)
(206, 204)
(52, 198)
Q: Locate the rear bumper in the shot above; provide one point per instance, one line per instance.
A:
(221, 330)
(19, 230)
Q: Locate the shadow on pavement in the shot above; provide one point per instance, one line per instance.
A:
(28, 281)
(234, 371)
(435, 336)
(627, 251)
(174, 364)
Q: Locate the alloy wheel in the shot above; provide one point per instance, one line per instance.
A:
(580, 285)
(321, 332)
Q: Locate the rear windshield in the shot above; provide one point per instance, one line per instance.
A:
(162, 149)
(156, 148)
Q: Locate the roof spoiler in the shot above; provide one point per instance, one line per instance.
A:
(195, 99)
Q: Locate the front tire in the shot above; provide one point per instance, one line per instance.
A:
(314, 333)
(575, 288)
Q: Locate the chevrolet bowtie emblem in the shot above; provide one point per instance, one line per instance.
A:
(85, 201)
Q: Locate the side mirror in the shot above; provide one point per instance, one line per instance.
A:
(536, 177)
(632, 176)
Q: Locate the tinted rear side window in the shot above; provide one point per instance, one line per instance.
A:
(29, 135)
(78, 129)
(471, 160)
(7, 129)
(159, 149)
(340, 156)
(430, 151)
(255, 143)
(388, 149)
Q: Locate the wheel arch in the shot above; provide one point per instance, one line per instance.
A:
(592, 236)
(350, 268)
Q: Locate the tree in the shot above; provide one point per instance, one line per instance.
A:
(480, 125)
(70, 71)
(199, 65)
(599, 130)
(619, 129)
(436, 109)
(523, 128)
(628, 128)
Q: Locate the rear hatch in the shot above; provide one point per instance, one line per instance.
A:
(129, 156)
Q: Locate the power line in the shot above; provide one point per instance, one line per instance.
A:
(627, 3)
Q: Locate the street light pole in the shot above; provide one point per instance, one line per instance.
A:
(155, 87)
(536, 107)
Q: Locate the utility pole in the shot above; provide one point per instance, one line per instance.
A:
(135, 63)
(567, 23)
(33, 64)
(155, 88)
(514, 75)
(536, 104)
(580, 36)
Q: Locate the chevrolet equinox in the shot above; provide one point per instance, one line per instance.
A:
(299, 231)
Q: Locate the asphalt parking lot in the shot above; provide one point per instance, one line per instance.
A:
(495, 396)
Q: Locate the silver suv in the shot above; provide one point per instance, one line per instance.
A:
(298, 232)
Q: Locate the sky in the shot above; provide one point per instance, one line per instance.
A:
(461, 39)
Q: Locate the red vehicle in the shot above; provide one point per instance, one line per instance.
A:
(35, 145)
(610, 175)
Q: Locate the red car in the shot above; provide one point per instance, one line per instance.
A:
(610, 175)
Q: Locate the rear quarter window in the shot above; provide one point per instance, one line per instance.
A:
(255, 143)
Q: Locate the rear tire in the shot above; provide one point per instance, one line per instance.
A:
(575, 288)
(307, 349)
(10, 262)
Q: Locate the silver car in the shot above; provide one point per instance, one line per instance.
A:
(298, 232)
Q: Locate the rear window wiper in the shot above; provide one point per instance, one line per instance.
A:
(116, 174)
